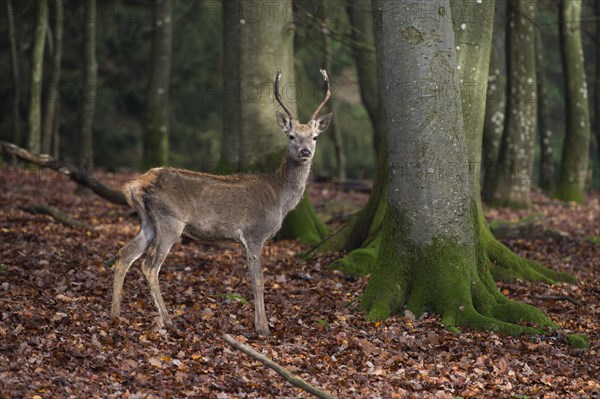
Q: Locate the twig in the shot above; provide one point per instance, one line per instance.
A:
(62, 217)
(75, 174)
(296, 381)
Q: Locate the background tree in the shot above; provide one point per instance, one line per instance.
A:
(90, 86)
(545, 131)
(254, 51)
(53, 97)
(14, 64)
(156, 134)
(574, 163)
(515, 163)
(431, 257)
(34, 119)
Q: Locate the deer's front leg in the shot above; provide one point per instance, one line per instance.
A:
(253, 253)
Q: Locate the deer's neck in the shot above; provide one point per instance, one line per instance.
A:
(292, 177)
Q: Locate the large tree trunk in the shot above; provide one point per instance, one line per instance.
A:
(54, 88)
(34, 137)
(14, 63)
(360, 235)
(156, 134)
(431, 258)
(515, 163)
(90, 77)
(597, 81)
(473, 36)
(574, 162)
(254, 50)
(546, 148)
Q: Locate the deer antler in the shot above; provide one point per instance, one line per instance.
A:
(278, 96)
(327, 94)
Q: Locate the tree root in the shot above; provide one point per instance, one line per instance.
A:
(296, 381)
(62, 217)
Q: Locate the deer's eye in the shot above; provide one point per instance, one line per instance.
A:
(315, 138)
(291, 137)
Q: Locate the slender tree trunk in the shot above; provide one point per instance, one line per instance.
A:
(90, 77)
(575, 155)
(494, 122)
(34, 136)
(515, 163)
(54, 88)
(597, 81)
(431, 258)
(547, 151)
(156, 135)
(14, 63)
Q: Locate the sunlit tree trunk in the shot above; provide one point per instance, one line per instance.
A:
(545, 130)
(14, 63)
(156, 133)
(431, 258)
(53, 97)
(515, 164)
(90, 77)
(254, 50)
(34, 119)
(574, 161)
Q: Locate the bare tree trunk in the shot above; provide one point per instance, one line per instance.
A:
(515, 163)
(34, 136)
(547, 152)
(156, 135)
(597, 82)
(575, 155)
(14, 62)
(90, 76)
(54, 88)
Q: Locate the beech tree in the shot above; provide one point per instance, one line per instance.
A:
(156, 133)
(34, 136)
(90, 78)
(14, 64)
(258, 40)
(512, 187)
(574, 162)
(544, 124)
(433, 255)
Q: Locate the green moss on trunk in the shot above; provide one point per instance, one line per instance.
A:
(303, 224)
(447, 278)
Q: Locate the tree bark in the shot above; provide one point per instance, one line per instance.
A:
(156, 134)
(515, 164)
(259, 47)
(431, 257)
(90, 89)
(34, 136)
(546, 134)
(494, 121)
(53, 96)
(14, 63)
(597, 81)
(575, 155)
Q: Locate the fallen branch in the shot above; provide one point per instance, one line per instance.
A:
(62, 217)
(526, 229)
(296, 381)
(558, 298)
(78, 176)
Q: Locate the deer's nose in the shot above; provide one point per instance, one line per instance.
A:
(305, 152)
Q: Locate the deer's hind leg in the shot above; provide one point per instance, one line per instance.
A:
(167, 233)
(126, 256)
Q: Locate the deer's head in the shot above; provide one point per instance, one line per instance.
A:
(302, 137)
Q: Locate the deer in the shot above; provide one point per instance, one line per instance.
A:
(244, 208)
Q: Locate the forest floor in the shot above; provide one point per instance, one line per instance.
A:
(56, 339)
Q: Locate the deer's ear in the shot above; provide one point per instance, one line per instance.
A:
(323, 122)
(283, 121)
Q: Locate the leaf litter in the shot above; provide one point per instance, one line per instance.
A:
(56, 339)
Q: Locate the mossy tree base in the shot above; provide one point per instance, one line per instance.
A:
(569, 192)
(303, 224)
(450, 279)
